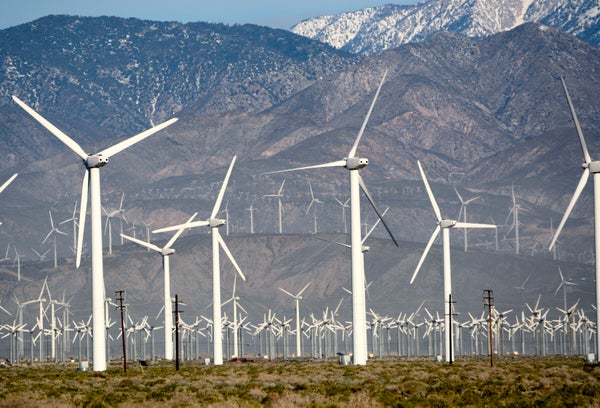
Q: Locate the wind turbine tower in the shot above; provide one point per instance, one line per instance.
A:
(297, 298)
(91, 182)
(592, 167)
(444, 225)
(217, 243)
(353, 164)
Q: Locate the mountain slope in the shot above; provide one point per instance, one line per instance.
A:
(373, 30)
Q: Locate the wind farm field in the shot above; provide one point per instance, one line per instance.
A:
(551, 381)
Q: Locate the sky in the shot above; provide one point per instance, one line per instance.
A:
(272, 13)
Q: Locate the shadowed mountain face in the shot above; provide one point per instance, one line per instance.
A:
(484, 116)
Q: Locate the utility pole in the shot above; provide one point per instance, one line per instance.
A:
(120, 298)
(451, 315)
(488, 299)
(177, 311)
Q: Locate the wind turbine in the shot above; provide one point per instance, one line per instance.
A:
(217, 242)
(593, 167)
(91, 182)
(563, 284)
(251, 210)
(297, 298)
(314, 201)
(165, 252)
(444, 225)
(344, 205)
(463, 210)
(354, 164)
(279, 195)
(53, 231)
(515, 224)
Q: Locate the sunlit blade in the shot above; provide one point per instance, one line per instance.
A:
(111, 151)
(368, 195)
(304, 288)
(436, 209)
(425, 252)
(182, 226)
(82, 214)
(142, 243)
(7, 182)
(53, 129)
(364, 125)
(339, 163)
(47, 236)
(217, 206)
(576, 194)
(179, 232)
(333, 242)
(586, 154)
(286, 292)
(374, 226)
(473, 225)
(228, 253)
(281, 188)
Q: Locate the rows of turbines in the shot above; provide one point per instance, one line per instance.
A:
(43, 329)
(357, 332)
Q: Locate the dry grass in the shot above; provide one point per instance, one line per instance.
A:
(514, 382)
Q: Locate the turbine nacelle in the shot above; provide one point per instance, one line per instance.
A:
(447, 223)
(95, 161)
(594, 166)
(167, 251)
(216, 222)
(355, 163)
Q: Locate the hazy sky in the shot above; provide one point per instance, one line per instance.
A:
(272, 13)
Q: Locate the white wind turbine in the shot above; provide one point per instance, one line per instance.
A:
(53, 231)
(563, 284)
(593, 167)
(444, 225)
(354, 164)
(165, 252)
(313, 202)
(251, 210)
(463, 210)
(279, 195)
(297, 298)
(217, 243)
(91, 182)
(515, 224)
(344, 205)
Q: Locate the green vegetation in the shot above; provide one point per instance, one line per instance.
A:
(470, 382)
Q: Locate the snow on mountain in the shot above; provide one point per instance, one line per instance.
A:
(375, 29)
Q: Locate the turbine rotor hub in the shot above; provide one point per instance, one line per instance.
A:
(167, 251)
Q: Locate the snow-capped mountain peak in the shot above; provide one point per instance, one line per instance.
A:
(375, 29)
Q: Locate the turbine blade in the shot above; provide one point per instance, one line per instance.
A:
(576, 194)
(434, 204)
(286, 292)
(7, 182)
(228, 253)
(473, 225)
(111, 151)
(179, 232)
(364, 125)
(71, 144)
(368, 195)
(304, 288)
(339, 163)
(280, 192)
(142, 243)
(374, 226)
(82, 214)
(586, 154)
(425, 252)
(217, 206)
(182, 226)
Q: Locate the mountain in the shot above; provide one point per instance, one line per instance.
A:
(482, 115)
(375, 29)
